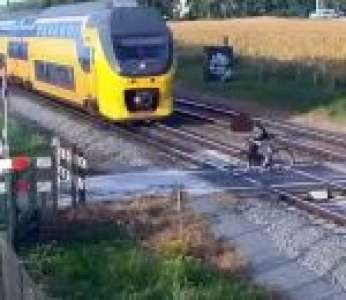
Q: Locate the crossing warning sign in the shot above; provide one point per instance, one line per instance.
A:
(219, 63)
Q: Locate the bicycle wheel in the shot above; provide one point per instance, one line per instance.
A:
(282, 159)
(243, 159)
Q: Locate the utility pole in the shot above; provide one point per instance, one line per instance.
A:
(5, 100)
(6, 154)
(319, 5)
(183, 8)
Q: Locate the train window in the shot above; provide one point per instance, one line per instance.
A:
(18, 50)
(24, 51)
(49, 30)
(49, 73)
(2, 60)
(61, 30)
(40, 71)
(73, 31)
(11, 50)
(68, 30)
(77, 30)
(85, 58)
(56, 30)
(45, 30)
(38, 30)
(58, 75)
(63, 76)
(139, 48)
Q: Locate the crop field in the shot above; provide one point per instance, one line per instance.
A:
(280, 39)
(305, 58)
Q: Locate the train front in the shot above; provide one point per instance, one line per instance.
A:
(137, 78)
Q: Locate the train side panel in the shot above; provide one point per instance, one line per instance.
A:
(58, 71)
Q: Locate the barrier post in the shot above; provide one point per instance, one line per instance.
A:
(74, 176)
(55, 146)
(82, 166)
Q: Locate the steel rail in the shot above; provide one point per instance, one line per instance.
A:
(163, 145)
(309, 146)
(329, 137)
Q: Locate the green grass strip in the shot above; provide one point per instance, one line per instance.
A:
(106, 267)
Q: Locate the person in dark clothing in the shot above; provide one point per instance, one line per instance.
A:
(255, 158)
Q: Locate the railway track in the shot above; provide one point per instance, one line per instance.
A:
(330, 209)
(320, 144)
(186, 145)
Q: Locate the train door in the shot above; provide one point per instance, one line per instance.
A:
(87, 63)
(2, 64)
(18, 67)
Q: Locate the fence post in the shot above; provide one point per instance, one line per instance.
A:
(21, 279)
(34, 191)
(55, 169)
(74, 176)
(180, 198)
(2, 271)
(82, 166)
(12, 208)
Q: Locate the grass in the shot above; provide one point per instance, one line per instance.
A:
(109, 267)
(24, 140)
(271, 90)
(141, 249)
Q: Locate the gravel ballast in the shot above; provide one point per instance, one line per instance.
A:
(105, 149)
(288, 250)
(319, 247)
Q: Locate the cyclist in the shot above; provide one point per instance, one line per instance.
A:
(259, 152)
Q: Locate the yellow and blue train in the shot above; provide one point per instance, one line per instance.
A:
(115, 62)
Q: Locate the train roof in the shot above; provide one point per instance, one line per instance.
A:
(123, 19)
(79, 9)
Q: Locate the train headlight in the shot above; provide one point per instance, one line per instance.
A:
(145, 100)
(142, 100)
(137, 100)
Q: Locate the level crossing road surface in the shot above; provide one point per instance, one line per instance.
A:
(207, 180)
(270, 266)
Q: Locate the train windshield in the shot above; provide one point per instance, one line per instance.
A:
(141, 48)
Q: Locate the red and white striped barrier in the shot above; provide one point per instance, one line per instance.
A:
(17, 164)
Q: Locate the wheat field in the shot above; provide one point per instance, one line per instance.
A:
(296, 46)
(281, 39)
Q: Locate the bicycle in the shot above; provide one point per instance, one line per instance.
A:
(264, 153)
